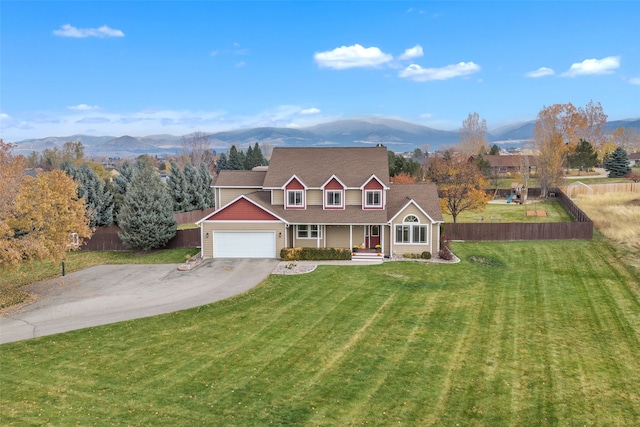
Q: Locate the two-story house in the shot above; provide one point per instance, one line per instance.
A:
(319, 197)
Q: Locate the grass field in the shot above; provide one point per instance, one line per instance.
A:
(517, 213)
(616, 215)
(522, 333)
(12, 281)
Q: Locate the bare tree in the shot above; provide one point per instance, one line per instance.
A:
(197, 149)
(473, 135)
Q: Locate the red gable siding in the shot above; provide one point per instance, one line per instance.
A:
(373, 185)
(244, 210)
(295, 185)
(333, 185)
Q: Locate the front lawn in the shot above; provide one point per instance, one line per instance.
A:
(512, 212)
(518, 333)
(12, 280)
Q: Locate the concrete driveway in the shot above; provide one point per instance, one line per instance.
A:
(113, 293)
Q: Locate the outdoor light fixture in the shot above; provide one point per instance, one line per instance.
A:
(207, 235)
(279, 234)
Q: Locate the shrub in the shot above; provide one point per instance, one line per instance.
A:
(315, 254)
(425, 255)
(411, 256)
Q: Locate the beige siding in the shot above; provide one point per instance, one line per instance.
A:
(358, 234)
(353, 197)
(277, 197)
(210, 227)
(314, 197)
(402, 248)
(337, 236)
(227, 195)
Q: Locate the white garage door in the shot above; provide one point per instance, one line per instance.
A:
(244, 244)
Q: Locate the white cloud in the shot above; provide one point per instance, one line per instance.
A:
(593, 67)
(417, 73)
(540, 72)
(241, 64)
(308, 111)
(354, 56)
(4, 116)
(634, 80)
(71, 31)
(426, 115)
(414, 52)
(83, 107)
(213, 53)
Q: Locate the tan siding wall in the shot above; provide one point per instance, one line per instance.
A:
(314, 197)
(337, 236)
(401, 248)
(229, 194)
(210, 227)
(353, 197)
(358, 234)
(277, 197)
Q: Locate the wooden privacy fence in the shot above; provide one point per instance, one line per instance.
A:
(192, 216)
(581, 188)
(581, 229)
(106, 239)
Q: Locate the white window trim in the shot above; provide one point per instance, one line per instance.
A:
(338, 206)
(308, 232)
(411, 225)
(302, 199)
(373, 206)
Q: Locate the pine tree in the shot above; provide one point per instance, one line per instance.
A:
(495, 150)
(617, 164)
(222, 163)
(146, 216)
(193, 187)
(236, 159)
(584, 157)
(205, 189)
(178, 189)
(95, 193)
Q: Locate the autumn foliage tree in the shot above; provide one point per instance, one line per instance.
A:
(460, 185)
(473, 135)
(37, 215)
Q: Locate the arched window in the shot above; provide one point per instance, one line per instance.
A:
(411, 231)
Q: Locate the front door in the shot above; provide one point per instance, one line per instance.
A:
(372, 236)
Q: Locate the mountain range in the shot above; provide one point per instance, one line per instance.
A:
(397, 135)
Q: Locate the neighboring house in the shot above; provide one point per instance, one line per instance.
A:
(634, 159)
(512, 164)
(319, 197)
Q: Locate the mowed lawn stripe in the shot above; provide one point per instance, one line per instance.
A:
(522, 333)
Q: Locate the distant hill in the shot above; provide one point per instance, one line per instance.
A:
(397, 135)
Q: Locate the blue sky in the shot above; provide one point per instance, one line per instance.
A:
(144, 68)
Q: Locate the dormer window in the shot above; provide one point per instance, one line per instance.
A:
(295, 198)
(333, 198)
(373, 198)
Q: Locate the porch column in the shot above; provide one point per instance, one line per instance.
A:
(382, 227)
(350, 237)
(318, 236)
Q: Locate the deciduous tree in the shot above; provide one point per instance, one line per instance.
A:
(460, 185)
(44, 213)
(551, 136)
(197, 148)
(473, 135)
(627, 138)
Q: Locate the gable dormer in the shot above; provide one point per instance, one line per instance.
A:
(333, 193)
(373, 193)
(295, 194)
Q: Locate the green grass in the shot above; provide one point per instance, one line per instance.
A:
(518, 333)
(517, 213)
(12, 281)
(187, 226)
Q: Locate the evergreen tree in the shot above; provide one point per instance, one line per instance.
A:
(95, 193)
(248, 159)
(495, 150)
(483, 165)
(205, 189)
(222, 163)
(258, 157)
(236, 159)
(178, 189)
(146, 216)
(617, 163)
(193, 187)
(584, 157)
